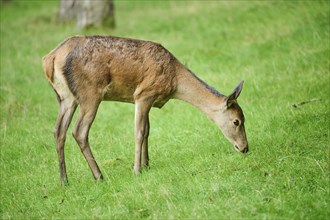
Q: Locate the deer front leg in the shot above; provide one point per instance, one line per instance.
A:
(145, 155)
(142, 109)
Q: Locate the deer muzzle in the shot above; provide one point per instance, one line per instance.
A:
(242, 150)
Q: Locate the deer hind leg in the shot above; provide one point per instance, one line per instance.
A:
(66, 111)
(142, 109)
(86, 117)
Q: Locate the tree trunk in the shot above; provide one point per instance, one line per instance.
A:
(68, 10)
(88, 12)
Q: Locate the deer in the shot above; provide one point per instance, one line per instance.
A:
(86, 70)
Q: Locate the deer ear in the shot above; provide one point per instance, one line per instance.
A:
(230, 100)
(234, 95)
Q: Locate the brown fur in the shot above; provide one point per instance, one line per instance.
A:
(116, 69)
(48, 66)
(86, 70)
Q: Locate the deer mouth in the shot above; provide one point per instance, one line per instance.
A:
(245, 150)
(237, 148)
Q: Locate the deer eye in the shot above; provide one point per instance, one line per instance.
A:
(236, 122)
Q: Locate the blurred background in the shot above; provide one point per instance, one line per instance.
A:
(280, 48)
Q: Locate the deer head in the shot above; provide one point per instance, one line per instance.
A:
(230, 119)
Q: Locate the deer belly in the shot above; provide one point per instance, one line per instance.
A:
(121, 93)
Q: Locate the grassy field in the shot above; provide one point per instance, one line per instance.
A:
(280, 49)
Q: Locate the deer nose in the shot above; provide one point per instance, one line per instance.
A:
(245, 150)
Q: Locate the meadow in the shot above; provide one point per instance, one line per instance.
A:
(280, 48)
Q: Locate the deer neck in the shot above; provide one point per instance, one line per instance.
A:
(193, 90)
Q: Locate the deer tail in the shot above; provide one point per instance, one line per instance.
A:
(48, 66)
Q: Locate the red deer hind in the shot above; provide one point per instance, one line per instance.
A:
(87, 70)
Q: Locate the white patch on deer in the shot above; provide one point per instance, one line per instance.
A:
(60, 85)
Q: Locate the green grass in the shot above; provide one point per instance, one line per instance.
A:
(281, 50)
